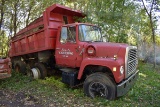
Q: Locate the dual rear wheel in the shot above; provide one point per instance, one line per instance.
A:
(39, 71)
(20, 67)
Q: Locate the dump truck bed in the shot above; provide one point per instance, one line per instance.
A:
(41, 34)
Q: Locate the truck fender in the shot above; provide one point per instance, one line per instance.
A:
(107, 62)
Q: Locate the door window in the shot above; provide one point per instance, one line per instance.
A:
(68, 34)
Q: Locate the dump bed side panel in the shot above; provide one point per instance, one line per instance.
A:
(41, 34)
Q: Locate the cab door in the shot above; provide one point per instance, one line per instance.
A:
(68, 51)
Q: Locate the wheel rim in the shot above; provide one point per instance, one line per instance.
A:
(98, 89)
(35, 73)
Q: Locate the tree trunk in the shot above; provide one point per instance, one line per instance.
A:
(149, 13)
(10, 26)
(15, 17)
(153, 38)
(2, 13)
(29, 13)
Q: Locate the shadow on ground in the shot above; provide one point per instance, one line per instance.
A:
(12, 99)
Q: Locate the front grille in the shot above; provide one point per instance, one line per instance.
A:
(132, 61)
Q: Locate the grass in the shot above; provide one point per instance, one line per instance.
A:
(51, 91)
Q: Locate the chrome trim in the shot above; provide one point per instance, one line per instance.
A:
(126, 59)
(125, 86)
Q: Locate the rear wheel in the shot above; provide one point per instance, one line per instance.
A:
(99, 84)
(34, 73)
(42, 69)
(38, 71)
(20, 67)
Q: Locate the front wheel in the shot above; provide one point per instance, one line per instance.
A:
(99, 84)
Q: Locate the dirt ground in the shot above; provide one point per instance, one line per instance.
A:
(20, 99)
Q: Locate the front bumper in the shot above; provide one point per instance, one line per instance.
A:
(124, 87)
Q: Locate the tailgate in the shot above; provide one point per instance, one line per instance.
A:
(5, 68)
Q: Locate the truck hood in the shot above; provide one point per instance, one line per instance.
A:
(106, 49)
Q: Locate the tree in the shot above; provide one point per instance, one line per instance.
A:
(2, 4)
(150, 12)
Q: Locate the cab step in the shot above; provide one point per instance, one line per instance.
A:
(69, 76)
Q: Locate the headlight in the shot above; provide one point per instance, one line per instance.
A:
(91, 51)
(121, 69)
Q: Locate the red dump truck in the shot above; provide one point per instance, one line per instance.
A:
(5, 70)
(56, 40)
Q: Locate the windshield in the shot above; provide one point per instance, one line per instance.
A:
(89, 33)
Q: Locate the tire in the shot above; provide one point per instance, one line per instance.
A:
(20, 67)
(43, 71)
(99, 84)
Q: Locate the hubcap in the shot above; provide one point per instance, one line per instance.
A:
(98, 89)
(35, 73)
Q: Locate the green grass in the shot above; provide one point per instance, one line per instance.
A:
(51, 91)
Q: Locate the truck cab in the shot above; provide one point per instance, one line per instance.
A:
(81, 50)
(72, 41)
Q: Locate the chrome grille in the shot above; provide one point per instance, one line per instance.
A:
(131, 60)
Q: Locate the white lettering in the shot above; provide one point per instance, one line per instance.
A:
(65, 52)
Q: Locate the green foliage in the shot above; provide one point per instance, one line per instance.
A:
(56, 81)
(15, 83)
(3, 44)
